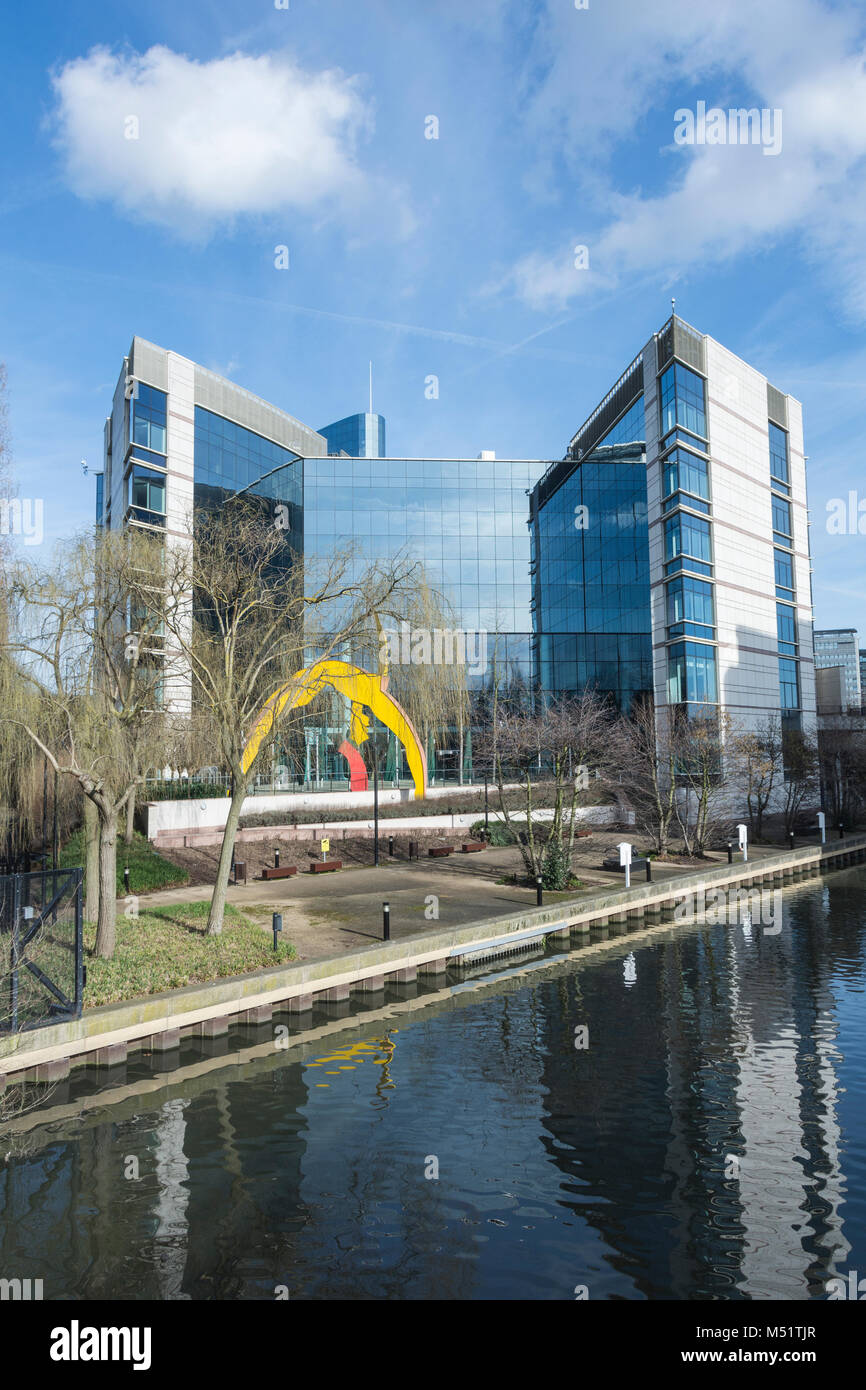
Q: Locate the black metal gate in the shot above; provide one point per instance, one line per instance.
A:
(41, 948)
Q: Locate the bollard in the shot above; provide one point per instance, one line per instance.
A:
(391, 845)
(277, 924)
(790, 839)
(276, 858)
(841, 832)
(730, 853)
(649, 871)
(126, 879)
(386, 921)
(539, 893)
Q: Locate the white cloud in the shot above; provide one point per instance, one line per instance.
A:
(637, 64)
(232, 137)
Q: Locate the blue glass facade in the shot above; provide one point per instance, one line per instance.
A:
(465, 520)
(229, 457)
(360, 436)
(591, 569)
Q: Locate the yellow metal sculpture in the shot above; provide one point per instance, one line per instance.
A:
(361, 689)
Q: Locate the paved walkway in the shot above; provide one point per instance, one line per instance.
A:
(323, 915)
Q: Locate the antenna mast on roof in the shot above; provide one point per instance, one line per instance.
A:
(371, 388)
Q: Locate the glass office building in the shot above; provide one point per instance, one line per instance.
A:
(590, 560)
(359, 436)
(666, 553)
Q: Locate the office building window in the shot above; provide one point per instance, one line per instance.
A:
(683, 400)
(147, 418)
(692, 674)
(789, 685)
(687, 535)
(779, 455)
(786, 626)
(781, 521)
(784, 566)
(686, 472)
(690, 608)
(147, 495)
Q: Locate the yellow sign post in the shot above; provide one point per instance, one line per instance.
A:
(326, 845)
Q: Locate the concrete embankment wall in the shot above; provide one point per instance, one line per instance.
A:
(211, 813)
(103, 1036)
(361, 829)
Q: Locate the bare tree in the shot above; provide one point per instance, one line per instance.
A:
(644, 752)
(563, 743)
(754, 762)
(842, 764)
(801, 782)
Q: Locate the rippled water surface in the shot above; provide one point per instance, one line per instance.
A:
(707, 1143)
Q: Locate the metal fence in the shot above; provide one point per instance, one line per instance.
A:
(41, 948)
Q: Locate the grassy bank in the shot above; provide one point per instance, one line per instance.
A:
(148, 870)
(168, 947)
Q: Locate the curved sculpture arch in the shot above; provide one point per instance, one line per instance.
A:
(361, 689)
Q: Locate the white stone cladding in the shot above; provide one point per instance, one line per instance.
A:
(747, 656)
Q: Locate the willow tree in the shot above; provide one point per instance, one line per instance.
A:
(246, 618)
(83, 674)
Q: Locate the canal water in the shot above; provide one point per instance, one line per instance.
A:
(680, 1117)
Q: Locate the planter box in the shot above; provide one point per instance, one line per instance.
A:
(440, 851)
(325, 866)
(473, 847)
(283, 871)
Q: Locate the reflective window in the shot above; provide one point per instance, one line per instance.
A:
(687, 535)
(690, 601)
(778, 454)
(784, 567)
(686, 472)
(692, 674)
(683, 400)
(781, 517)
(789, 685)
(147, 417)
(786, 625)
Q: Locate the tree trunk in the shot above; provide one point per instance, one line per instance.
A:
(218, 900)
(130, 817)
(91, 861)
(106, 929)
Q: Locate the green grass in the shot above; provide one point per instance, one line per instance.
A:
(147, 869)
(168, 947)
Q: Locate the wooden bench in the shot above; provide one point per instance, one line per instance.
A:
(473, 847)
(285, 871)
(440, 851)
(325, 866)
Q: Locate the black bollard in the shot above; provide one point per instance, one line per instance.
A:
(539, 893)
(391, 845)
(730, 853)
(649, 871)
(790, 839)
(841, 832)
(277, 924)
(276, 858)
(126, 879)
(386, 921)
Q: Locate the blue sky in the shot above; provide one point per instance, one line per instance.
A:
(305, 127)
